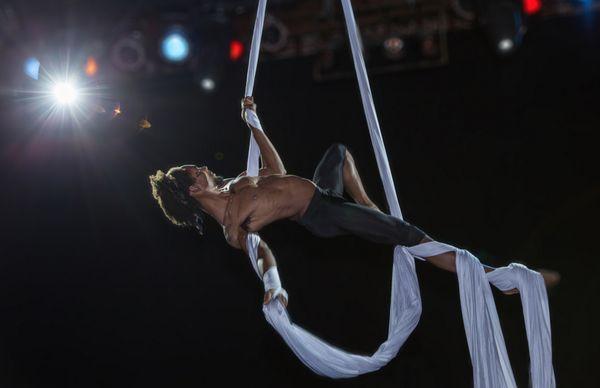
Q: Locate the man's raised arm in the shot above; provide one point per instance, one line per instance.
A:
(269, 156)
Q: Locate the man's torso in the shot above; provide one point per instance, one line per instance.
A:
(255, 202)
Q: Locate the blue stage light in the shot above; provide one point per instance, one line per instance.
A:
(31, 67)
(175, 46)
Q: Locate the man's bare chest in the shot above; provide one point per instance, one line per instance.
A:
(251, 204)
(241, 204)
(241, 184)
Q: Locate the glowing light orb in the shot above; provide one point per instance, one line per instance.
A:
(505, 45)
(175, 47)
(532, 6)
(64, 93)
(236, 50)
(207, 84)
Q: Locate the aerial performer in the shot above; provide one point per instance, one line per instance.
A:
(265, 194)
(247, 204)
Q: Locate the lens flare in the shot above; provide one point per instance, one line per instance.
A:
(31, 67)
(91, 67)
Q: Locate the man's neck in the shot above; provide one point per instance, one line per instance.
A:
(214, 204)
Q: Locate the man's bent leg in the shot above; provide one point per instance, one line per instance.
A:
(337, 172)
(329, 172)
(353, 184)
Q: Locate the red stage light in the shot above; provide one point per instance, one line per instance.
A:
(236, 50)
(532, 6)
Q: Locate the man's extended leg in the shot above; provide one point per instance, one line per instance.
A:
(447, 261)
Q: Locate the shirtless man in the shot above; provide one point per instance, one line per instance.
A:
(246, 204)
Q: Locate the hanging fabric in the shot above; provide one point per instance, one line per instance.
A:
(491, 366)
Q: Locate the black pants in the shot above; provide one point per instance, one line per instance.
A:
(329, 214)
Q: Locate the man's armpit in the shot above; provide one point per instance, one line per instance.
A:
(231, 237)
(242, 240)
(263, 171)
(266, 171)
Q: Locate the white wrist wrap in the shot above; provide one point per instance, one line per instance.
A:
(252, 119)
(272, 282)
(271, 279)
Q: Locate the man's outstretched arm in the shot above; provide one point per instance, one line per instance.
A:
(267, 265)
(269, 156)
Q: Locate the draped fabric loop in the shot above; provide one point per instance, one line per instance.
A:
(491, 366)
(536, 313)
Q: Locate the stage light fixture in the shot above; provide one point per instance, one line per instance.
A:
(128, 53)
(275, 35)
(429, 47)
(393, 47)
(175, 46)
(31, 67)
(65, 93)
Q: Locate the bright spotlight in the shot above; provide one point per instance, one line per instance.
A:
(505, 45)
(175, 46)
(65, 93)
(62, 98)
(207, 84)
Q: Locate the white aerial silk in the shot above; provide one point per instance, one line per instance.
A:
(491, 366)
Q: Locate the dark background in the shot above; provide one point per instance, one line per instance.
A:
(97, 289)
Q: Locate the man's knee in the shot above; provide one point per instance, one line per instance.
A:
(337, 148)
(409, 235)
(425, 239)
(335, 154)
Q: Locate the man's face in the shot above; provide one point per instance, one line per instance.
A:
(203, 178)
